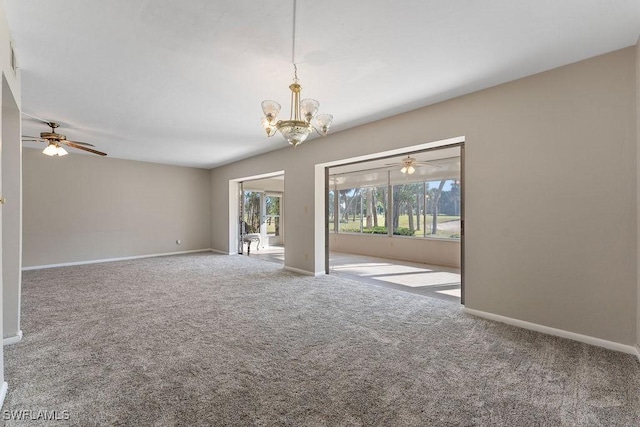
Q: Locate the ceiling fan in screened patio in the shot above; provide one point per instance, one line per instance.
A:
(409, 164)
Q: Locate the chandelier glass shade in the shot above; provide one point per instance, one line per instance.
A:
(303, 121)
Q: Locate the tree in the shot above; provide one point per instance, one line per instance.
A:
(396, 206)
(344, 204)
(374, 206)
(273, 212)
(409, 206)
(252, 211)
(419, 198)
(381, 203)
(356, 202)
(331, 205)
(455, 197)
(404, 200)
(435, 198)
(370, 206)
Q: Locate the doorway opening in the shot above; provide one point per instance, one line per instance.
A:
(261, 218)
(398, 221)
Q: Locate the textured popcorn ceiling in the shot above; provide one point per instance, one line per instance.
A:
(181, 82)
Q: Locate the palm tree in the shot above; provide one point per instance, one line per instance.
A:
(434, 196)
(252, 211)
(404, 200)
(370, 206)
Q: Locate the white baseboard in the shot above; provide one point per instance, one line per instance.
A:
(3, 392)
(300, 271)
(13, 340)
(629, 349)
(223, 252)
(304, 272)
(97, 261)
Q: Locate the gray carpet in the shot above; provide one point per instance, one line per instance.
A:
(206, 339)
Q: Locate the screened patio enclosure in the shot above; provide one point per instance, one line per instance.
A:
(383, 208)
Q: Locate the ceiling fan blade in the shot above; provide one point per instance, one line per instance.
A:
(31, 137)
(46, 122)
(80, 147)
(81, 143)
(32, 140)
(431, 165)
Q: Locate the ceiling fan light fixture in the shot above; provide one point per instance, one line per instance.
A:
(61, 151)
(54, 149)
(408, 165)
(51, 150)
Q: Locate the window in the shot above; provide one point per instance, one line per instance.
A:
(361, 210)
(251, 215)
(374, 200)
(332, 210)
(262, 209)
(349, 210)
(380, 199)
(427, 209)
(272, 218)
(406, 209)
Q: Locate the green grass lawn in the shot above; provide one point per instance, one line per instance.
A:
(402, 223)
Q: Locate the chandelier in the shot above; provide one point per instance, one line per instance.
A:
(304, 119)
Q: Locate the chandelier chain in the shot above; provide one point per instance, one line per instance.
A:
(293, 39)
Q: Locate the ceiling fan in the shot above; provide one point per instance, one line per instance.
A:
(408, 165)
(55, 141)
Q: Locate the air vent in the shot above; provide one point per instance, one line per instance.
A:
(14, 61)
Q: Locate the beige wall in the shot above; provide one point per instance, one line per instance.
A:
(430, 251)
(82, 207)
(638, 186)
(550, 193)
(11, 215)
(11, 90)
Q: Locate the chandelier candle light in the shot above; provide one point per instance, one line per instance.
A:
(303, 120)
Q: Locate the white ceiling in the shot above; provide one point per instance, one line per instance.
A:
(180, 82)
